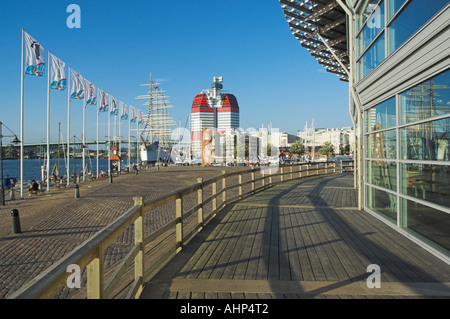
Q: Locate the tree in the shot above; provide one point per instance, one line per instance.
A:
(297, 148)
(327, 149)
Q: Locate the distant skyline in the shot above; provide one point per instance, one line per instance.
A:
(183, 44)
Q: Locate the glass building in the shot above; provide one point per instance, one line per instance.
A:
(397, 62)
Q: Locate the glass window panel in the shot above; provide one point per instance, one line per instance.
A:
(394, 5)
(382, 202)
(374, 25)
(369, 8)
(427, 182)
(428, 99)
(373, 57)
(428, 222)
(381, 116)
(382, 145)
(426, 141)
(414, 16)
(382, 173)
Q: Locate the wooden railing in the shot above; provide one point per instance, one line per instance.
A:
(149, 254)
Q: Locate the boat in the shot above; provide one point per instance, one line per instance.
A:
(154, 147)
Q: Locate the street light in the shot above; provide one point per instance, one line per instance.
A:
(15, 141)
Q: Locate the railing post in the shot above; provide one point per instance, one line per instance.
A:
(200, 202)
(240, 185)
(263, 179)
(179, 226)
(300, 171)
(224, 188)
(282, 174)
(95, 276)
(139, 266)
(270, 177)
(214, 196)
(317, 169)
(253, 180)
(291, 176)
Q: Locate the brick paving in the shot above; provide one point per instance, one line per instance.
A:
(54, 224)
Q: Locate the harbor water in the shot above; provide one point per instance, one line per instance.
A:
(32, 168)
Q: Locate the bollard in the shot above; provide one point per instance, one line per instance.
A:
(77, 191)
(15, 222)
(12, 195)
(110, 178)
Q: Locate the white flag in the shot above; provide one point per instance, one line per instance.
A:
(103, 100)
(114, 106)
(141, 117)
(91, 93)
(77, 86)
(123, 111)
(132, 114)
(35, 56)
(58, 80)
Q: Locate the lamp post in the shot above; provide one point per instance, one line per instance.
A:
(15, 141)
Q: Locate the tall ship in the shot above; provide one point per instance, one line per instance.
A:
(155, 135)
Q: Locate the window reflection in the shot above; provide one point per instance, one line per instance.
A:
(382, 173)
(374, 56)
(382, 145)
(381, 116)
(374, 25)
(426, 141)
(382, 202)
(428, 99)
(369, 9)
(414, 16)
(428, 222)
(427, 182)
(394, 5)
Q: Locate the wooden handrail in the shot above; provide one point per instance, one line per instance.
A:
(89, 255)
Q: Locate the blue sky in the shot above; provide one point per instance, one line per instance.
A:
(184, 44)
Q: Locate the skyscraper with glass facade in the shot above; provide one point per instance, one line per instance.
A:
(397, 64)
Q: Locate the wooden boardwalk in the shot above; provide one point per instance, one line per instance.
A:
(300, 239)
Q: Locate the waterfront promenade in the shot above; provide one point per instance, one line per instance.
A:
(54, 223)
(300, 239)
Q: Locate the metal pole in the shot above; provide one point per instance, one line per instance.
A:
(68, 130)
(98, 152)
(84, 130)
(22, 76)
(2, 190)
(48, 122)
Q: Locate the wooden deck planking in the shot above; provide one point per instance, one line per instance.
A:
(303, 231)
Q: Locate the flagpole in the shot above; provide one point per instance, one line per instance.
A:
(109, 136)
(120, 140)
(97, 129)
(48, 122)
(129, 137)
(68, 127)
(84, 130)
(22, 76)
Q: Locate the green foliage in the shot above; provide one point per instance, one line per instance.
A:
(297, 148)
(327, 149)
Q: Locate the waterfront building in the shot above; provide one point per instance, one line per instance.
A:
(214, 110)
(395, 55)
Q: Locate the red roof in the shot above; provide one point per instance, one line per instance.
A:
(200, 104)
(229, 104)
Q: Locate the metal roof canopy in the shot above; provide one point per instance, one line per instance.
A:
(320, 26)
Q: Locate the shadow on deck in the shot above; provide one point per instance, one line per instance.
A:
(300, 239)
